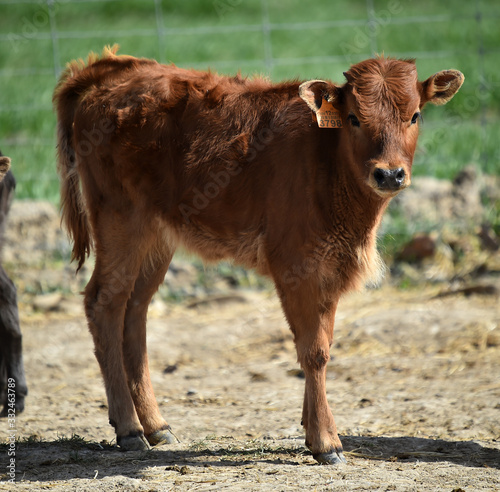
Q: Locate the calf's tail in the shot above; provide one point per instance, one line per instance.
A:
(74, 215)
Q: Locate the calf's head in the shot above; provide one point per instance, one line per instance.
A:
(380, 107)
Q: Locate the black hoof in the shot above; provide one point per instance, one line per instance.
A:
(331, 458)
(133, 442)
(8, 410)
(163, 436)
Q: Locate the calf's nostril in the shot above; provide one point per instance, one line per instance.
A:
(379, 175)
(400, 175)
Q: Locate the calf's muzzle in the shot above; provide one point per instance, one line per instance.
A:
(389, 179)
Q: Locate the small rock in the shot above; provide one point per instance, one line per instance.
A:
(47, 302)
(420, 247)
(183, 470)
(74, 307)
(489, 240)
(298, 373)
(365, 402)
(258, 377)
(170, 369)
(493, 339)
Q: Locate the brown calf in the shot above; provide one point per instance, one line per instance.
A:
(230, 167)
(13, 389)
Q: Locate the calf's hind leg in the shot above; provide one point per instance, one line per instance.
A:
(118, 260)
(156, 429)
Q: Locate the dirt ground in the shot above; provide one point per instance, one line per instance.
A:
(414, 383)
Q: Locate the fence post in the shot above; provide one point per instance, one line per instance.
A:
(55, 38)
(268, 44)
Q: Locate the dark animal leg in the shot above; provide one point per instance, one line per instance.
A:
(11, 350)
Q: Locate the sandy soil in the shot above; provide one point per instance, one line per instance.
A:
(414, 383)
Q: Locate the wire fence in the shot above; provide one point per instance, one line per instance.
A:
(264, 38)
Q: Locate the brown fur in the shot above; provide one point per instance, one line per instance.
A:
(153, 157)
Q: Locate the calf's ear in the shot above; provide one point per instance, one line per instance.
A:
(4, 166)
(314, 91)
(442, 86)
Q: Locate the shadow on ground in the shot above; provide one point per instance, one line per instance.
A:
(77, 458)
(464, 453)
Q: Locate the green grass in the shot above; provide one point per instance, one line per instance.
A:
(230, 35)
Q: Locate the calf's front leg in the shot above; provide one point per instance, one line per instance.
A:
(310, 313)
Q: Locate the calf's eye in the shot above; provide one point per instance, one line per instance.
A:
(415, 117)
(353, 119)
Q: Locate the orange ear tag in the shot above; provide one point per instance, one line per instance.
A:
(328, 116)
